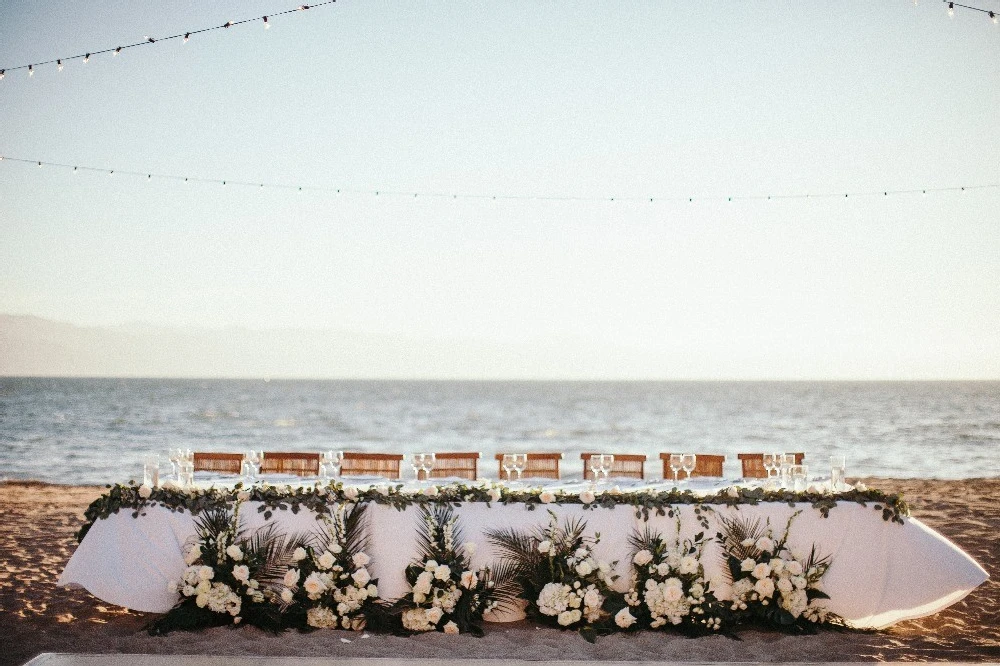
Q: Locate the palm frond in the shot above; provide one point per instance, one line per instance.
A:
(356, 533)
(517, 548)
(505, 591)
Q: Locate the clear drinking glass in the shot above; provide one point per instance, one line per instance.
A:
(428, 465)
(151, 471)
(520, 464)
(838, 472)
(607, 464)
(596, 466)
(799, 477)
(787, 461)
(417, 463)
(770, 461)
(507, 463)
(186, 474)
(175, 456)
(676, 464)
(247, 468)
(688, 461)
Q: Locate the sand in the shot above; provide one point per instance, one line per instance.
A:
(36, 541)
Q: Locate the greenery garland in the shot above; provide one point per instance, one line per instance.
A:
(320, 497)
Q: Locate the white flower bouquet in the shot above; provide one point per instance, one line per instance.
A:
(771, 584)
(669, 589)
(328, 585)
(446, 593)
(565, 585)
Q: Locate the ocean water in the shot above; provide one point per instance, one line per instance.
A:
(98, 431)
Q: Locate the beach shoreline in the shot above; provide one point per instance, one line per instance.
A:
(37, 616)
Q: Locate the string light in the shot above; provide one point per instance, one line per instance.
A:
(59, 65)
(267, 26)
(994, 18)
(452, 196)
(148, 40)
(951, 9)
(31, 70)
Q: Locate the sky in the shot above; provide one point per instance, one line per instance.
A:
(563, 105)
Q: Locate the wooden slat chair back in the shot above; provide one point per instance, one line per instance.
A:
(540, 465)
(371, 464)
(753, 464)
(704, 465)
(302, 464)
(220, 463)
(456, 464)
(629, 465)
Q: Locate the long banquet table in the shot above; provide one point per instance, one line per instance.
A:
(882, 572)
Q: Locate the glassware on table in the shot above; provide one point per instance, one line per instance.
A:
(423, 462)
(596, 466)
(175, 456)
(250, 467)
(787, 461)
(329, 464)
(838, 472)
(676, 464)
(799, 477)
(688, 462)
(771, 463)
(151, 471)
(607, 464)
(520, 464)
(185, 475)
(507, 463)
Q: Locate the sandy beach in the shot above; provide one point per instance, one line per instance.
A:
(36, 616)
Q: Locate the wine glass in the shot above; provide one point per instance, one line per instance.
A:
(417, 462)
(787, 462)
(247, 468)
(507, 463)
(676, 463)
(688, 461)
(427, 465)
(174, 456)
(769, 461)
(607, 463)
(520, 464)
(596, 465)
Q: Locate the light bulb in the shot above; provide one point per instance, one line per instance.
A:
(994, 18)
(951, 9)
(187, 36)
(86, 59)
(267, 25)
(39, 165)
(118, 50)
(2, 73)
(31, 70)
(74, 170)
(59, 64)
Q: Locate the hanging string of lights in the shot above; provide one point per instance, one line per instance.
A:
(149, 176)
(991, 14)
(148, 40)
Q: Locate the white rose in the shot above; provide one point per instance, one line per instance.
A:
(587, 496)
(299, 554)
(241, 573)
(642, 558)
(372, 591)
(326, 560)
(382, 489)
(430, 565)
(443, 572)
(361, 577)
(793, 567)
(451, 628)
(860, 487)
(434, 615)
(762, 570)
(350, 493)
(747, 564)
(314, 585)
(193, 553)
(584, 568)
(764, 587)
(494, 494)
(765, 544)
(431, 491)
(361, 559)
(470, 548)
(545, 546)
(287, 596)
(689, 565)
(546, 497)
(336, 548)
(469, 579)
(235, 552)
(593, 598)
(663, 569)
(733, 491)
(145, 491)
(785, 585)
(206, 573)
(746, 543)
(624, 618)
(291, 577)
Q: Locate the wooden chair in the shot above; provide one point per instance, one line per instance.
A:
(371, 464)
(704, 465)
(753, 464)
(626, 464)
(543, 465)
(461, 465)
(302, 464)
(220, 463)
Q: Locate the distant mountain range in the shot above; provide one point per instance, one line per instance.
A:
(32, 346)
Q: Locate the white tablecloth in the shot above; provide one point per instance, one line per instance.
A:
(881, 572)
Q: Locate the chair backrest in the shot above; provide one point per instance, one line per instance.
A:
(456, 464)
(705, 464)
(303, 464)
(543, 465)
(222, 463)
(753, 464)
(371, 464)
(626, 464)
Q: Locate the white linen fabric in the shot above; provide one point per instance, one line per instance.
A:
(881, 572)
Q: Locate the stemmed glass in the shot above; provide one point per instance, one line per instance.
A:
(507, 463)
(423, 462)
(597, 466)
(676, 464)
(251, 465)
(520, 464)
(175, 456)
(787, 462)
(607, 464)
(329, 464)
(688, 461)
(770, 463)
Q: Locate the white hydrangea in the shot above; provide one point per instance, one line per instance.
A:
(555, 598)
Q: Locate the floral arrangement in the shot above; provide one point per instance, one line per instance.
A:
(669, 589)
(447, 594)
(564, 584)
(770, 584)
(229, 577)
(270, 498)
(328, 585)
